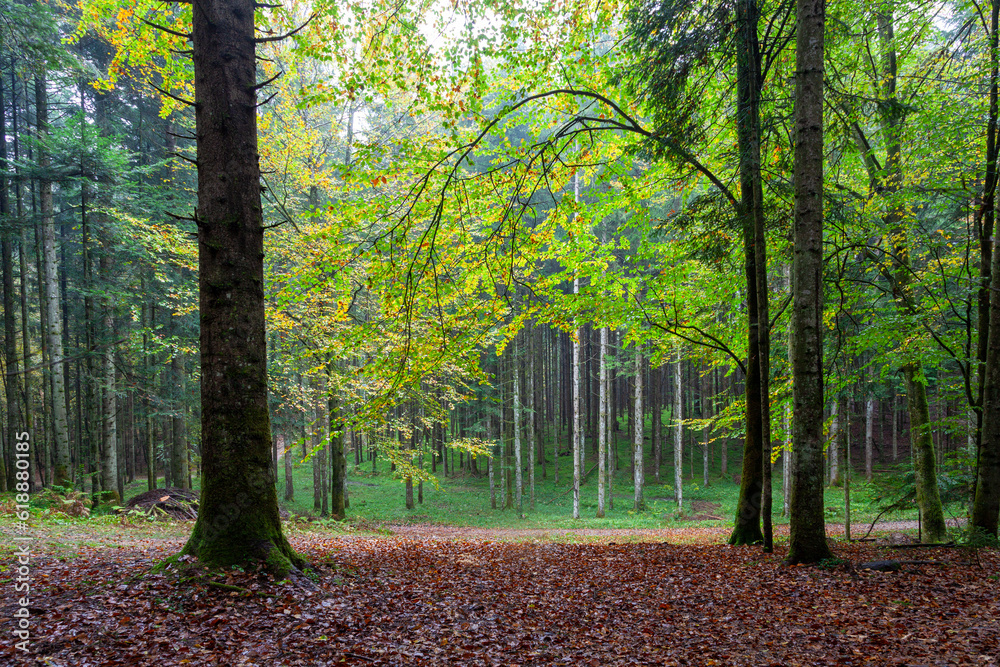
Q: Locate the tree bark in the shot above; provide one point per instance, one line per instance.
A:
(12, 385)
(678, 433)
(832, 449)
(519, 478)
(602, 422)
(238, 513)
(807, 532)
(53, 324)
(577, 453)
(986, 503)
(338, 462)
(869, 449)
(638, 471)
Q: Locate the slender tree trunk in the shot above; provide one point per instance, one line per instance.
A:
(28, 402)
(786, 463)
(678, 433)
(532, 415)
(577, 444)
(807, 537)
(869, 425)
(179, 450)
(289, 479)
(338, 462)
(12, 384)
(602, 422)
(638, 470)
(832, 449)
(54, 329)
(109, 417)
(895, 429)
(519, 478)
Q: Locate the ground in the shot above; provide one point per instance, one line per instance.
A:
(432, 595)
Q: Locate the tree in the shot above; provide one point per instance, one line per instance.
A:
(238, 511)
(807, 539)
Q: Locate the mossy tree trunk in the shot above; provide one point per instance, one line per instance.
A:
(238, 513)
(924, 460)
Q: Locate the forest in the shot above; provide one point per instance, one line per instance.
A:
(292, 291)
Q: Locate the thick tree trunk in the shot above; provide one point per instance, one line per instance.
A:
(986, 504)
(984, 224)
(238, 512)
(807, 532)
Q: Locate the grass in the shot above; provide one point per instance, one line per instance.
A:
(464, 499)
(377, 499)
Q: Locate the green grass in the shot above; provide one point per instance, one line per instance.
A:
(464, 500)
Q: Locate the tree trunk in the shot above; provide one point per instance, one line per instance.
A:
(807, 532)
(12, 384)
(109, 417)
(638, 471)
(54, 328)
(179, 450)
(577, 453)
(289, 480)
(678, 417)
(519, 483)
(986, 503)
(832, 450)
(602, 422)
(869, 424)
(338, 462)
(532, 418)
(238, 512)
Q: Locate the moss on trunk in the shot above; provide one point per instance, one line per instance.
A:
(924, 461)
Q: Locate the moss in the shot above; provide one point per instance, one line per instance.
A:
(746, 534)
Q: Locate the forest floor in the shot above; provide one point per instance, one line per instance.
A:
(436, 595)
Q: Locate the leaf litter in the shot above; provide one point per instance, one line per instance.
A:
(434, 598)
